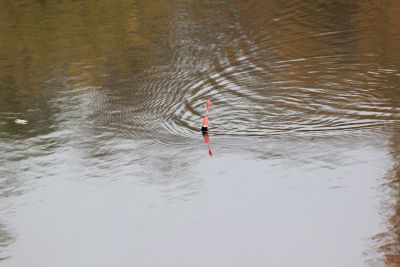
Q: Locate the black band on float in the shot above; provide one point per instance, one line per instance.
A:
(204, 129)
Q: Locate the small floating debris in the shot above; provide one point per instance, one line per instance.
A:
(19, 121)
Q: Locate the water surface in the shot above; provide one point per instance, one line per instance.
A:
(111, 169)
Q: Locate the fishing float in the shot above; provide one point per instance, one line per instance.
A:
(204, 125)
(204, 128)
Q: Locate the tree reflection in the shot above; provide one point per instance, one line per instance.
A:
(387, 243)
(5, 240)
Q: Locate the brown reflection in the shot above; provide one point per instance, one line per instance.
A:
(382, 22)
(48, 47)
(344, 32)
(388, 242)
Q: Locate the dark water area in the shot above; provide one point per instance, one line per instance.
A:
(111, 169)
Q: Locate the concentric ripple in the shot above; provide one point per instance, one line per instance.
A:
(270, 79)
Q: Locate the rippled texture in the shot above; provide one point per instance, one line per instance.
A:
(111, 166)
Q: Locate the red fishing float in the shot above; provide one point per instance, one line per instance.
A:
(204, 128)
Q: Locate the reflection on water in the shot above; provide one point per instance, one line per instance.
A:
(387, 243)
(304, 130)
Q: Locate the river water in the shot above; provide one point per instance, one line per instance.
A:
(111, 169)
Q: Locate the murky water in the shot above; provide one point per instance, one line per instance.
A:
(111, 169)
